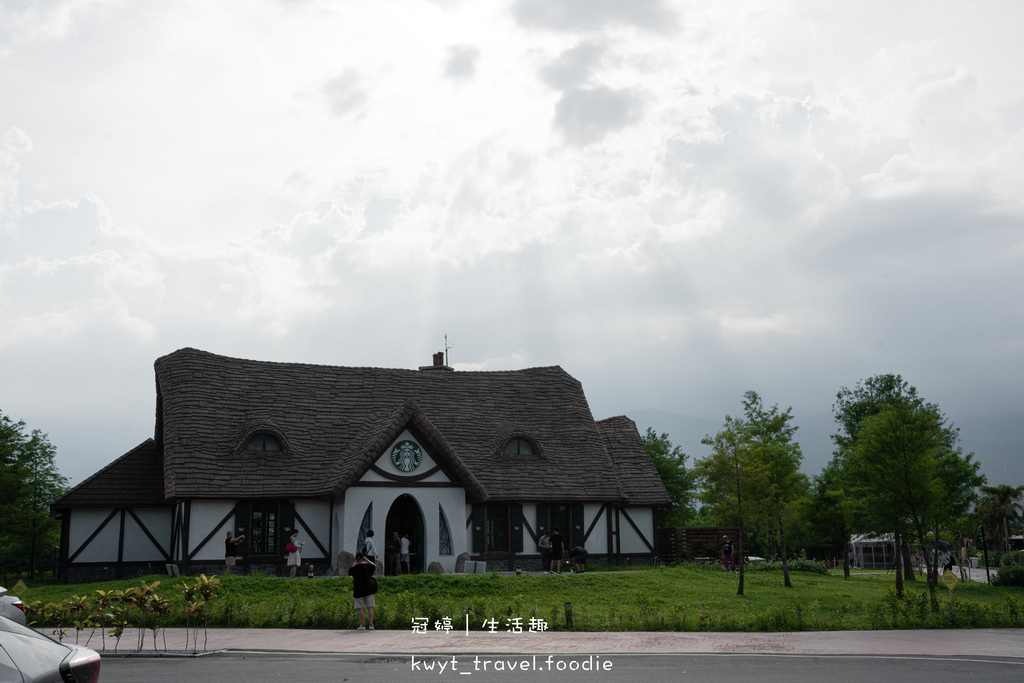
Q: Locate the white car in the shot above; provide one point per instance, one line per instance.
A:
(26, 655)
(11, 607)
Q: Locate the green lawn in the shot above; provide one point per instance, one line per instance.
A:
(683, 598)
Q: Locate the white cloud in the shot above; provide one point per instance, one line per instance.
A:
(676, 201)
(574, 15)
(462, 61)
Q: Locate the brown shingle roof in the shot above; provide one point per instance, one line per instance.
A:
(136, 479)
(330, 417)
(633, 466)
(335, 421)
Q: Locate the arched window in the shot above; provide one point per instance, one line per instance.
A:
(444, 536)
(518, 447)
(264, 443)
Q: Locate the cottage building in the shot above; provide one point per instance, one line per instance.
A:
(464, 462)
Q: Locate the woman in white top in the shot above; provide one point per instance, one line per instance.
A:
(370, 547)
(294, 549)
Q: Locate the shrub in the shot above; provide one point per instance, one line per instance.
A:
(1009, 576)
(796, 564)
(1012, 558)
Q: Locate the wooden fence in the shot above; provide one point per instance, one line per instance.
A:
(698, 544)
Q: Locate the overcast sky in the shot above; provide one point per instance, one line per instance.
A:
(674, 201)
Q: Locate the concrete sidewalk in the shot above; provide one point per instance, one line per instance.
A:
(948, 643)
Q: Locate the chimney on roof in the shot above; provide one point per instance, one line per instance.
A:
(438, 363)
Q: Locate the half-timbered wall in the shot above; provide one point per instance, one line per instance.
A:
(209, 523)
(102, 543)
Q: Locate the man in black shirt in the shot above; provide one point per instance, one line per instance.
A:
(557, 548)
(394, 550)
(230, 548)
(363, 590)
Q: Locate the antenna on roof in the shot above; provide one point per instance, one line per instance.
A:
(446, 347)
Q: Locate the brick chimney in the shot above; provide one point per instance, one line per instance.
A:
(438, 363)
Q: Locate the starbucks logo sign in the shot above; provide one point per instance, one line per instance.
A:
(406, 455)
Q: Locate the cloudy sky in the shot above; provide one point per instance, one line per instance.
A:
(675, 201)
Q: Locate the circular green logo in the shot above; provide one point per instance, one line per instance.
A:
(406, 456)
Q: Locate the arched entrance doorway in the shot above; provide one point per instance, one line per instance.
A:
(405, 517)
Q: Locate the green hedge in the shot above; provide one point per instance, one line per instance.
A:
(1009, 576)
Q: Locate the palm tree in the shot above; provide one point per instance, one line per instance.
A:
(1001, 504)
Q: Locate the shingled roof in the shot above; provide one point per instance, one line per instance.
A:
(633, 466)
(334, 420)
(136, 479)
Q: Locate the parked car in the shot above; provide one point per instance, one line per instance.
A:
(11, 607)
(26, 655)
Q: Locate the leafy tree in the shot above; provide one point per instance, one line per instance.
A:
(1001, 504)
(29, 481)
(904, 470)
(851, 408)
(777, 483)
(726, 476)
(824, 514)
(670, 461)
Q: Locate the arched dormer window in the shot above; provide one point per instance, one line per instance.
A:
(518, 447)
(264, 443)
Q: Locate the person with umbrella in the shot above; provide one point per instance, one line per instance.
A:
(942, 553)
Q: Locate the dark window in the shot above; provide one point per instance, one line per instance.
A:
(497, 528)
(264, 442)
(263, 539)
(518, 447)
(444, 535)
(568, 519)
(560, 518)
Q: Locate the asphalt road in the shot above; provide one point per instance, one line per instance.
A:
(257, 667)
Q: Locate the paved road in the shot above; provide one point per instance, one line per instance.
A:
(655, 668)
(1000, 643)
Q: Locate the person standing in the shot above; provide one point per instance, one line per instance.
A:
(363, 588)
(557, 548)
(370, 547)
(394, 551)
(230, 548)
(544, 543)
(294, 550)
(406, 545)
(727, 557)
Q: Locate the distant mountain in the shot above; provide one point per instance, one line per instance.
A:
(997, 442)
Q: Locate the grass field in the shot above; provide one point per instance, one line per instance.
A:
(682, 598)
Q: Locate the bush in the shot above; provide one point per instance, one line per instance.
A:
(1014, 558)
(796, 564)
(1010, 576)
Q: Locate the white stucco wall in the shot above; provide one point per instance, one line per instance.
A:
(137, 545)
(386, 464)
(317, 514)
(103, 548)
(451, 499)
(206, 515)
(630, 541)
(350, 509)
(598, 541)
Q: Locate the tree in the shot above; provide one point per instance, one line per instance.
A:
(904, 469)
(725, 476)
(824, 513)
(670, 461)
(29, 482)
(1001, 505)
(851, 408)
(777, 483)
